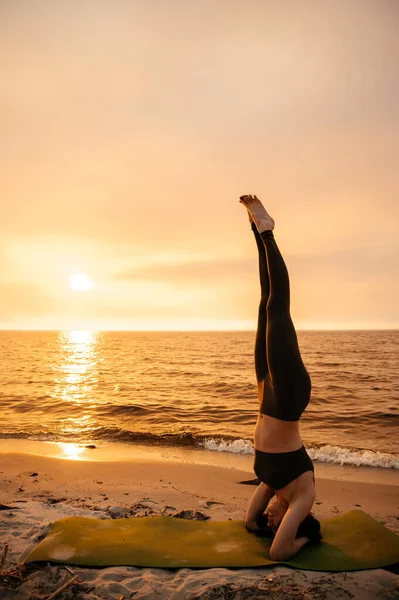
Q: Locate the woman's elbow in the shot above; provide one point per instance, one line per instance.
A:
(279, 554)
(287, 551)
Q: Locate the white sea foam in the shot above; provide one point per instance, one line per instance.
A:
(324, 454)
(235, 446)
(347, 456)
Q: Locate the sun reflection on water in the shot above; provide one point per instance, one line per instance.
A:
(76, 378)
(71, 451)
(81, 337)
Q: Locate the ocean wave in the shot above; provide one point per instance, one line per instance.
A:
(324, 454)
(358, 458)
(113, 410)
(242, 390)
(320, 453)
(107, 434)
(113, 434)
(235, 446)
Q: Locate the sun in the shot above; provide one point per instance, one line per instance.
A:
(79, 282)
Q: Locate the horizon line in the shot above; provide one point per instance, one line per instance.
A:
(191, 330)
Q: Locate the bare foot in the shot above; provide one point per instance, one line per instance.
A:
(257, 212)
(250, 217)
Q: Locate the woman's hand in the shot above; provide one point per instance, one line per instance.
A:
(257, 506)
(285, 544)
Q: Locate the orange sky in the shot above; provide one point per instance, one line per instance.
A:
(130, 128)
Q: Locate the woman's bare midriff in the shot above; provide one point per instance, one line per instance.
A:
(274, 435)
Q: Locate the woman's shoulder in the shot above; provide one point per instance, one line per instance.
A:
(304, 485)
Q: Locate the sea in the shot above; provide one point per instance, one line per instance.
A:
(197, 389)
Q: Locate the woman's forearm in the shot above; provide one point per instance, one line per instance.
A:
(258, 504)
(297, 545)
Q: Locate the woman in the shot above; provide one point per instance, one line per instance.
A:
(281, 461)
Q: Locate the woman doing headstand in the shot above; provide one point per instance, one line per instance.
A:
(281, 462)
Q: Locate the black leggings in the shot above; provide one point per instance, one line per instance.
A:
(278, 360)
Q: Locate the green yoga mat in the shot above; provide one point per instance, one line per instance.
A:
(350, 542)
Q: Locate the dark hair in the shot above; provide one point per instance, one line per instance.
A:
(310, 528)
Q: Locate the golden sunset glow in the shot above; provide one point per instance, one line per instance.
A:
(126, 151)
(80, 282)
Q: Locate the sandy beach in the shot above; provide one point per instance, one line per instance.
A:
(39, 484)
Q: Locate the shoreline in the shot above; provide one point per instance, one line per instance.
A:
(114, 451)
(113, 482)
(191, 473)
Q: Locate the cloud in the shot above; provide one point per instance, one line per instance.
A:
(24, 300)
(200, 272)
(367, 263)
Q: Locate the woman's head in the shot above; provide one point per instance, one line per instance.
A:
(275, 513)
(309, 527)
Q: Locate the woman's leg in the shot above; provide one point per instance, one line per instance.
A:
(289, 378)
(261, 365)
(283, 354)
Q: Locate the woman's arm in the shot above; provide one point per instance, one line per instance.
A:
(257, 505)
(285, 544)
